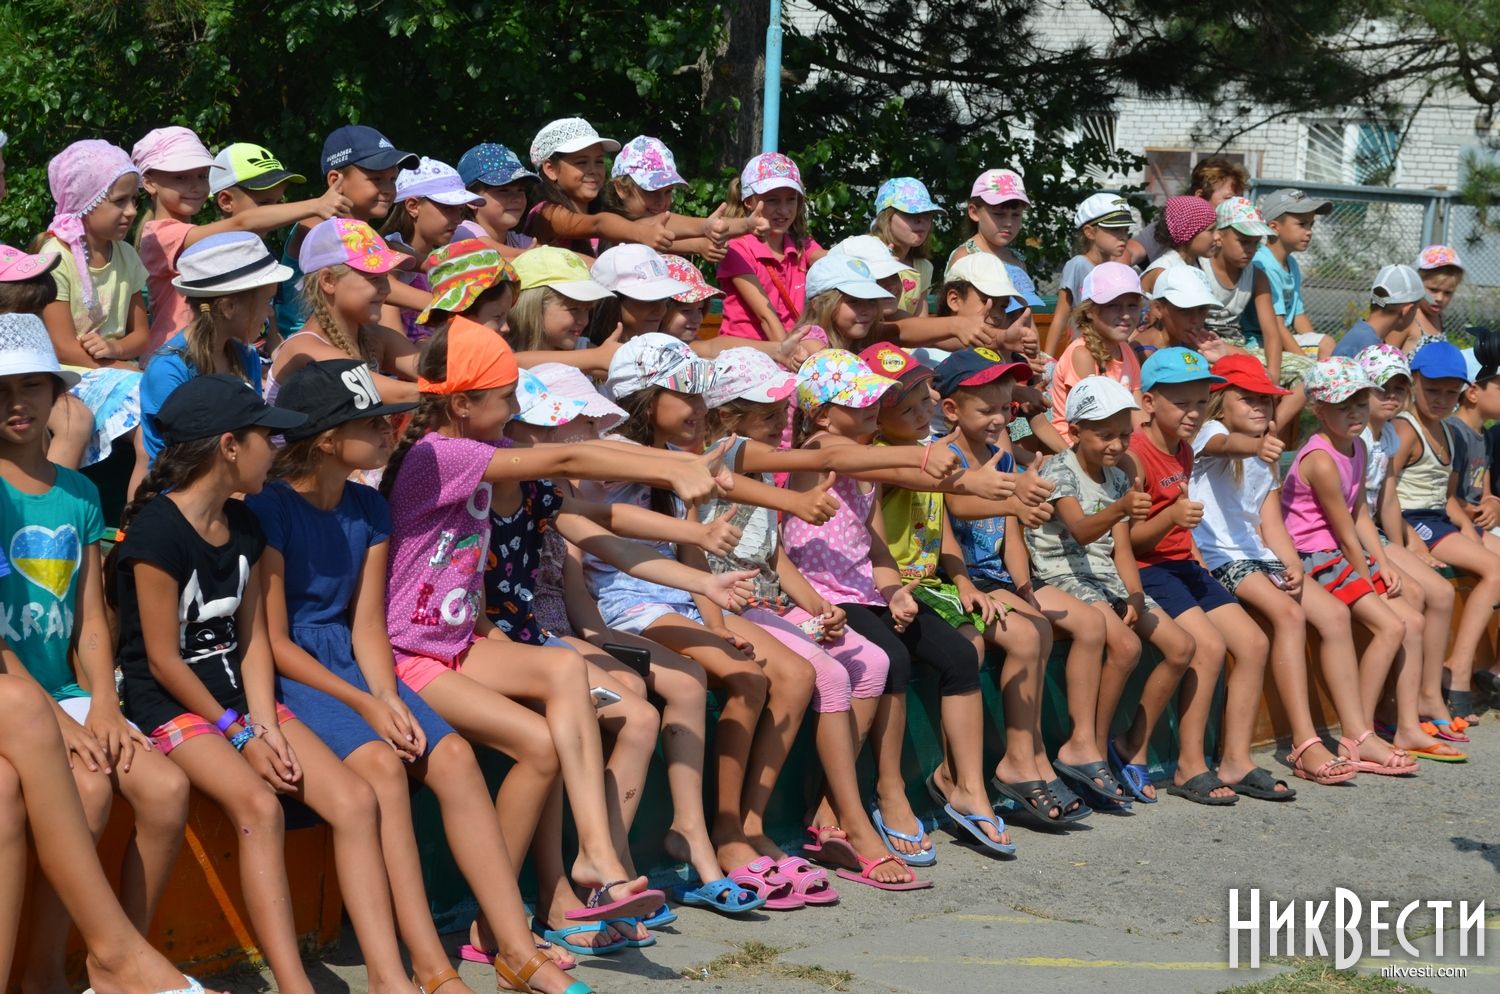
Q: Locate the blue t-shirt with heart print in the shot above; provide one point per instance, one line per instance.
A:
(45, 539)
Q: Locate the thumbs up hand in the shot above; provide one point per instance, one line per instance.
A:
(1271, 447)
(817, 505)
(1186, 512)
(1136, 504)
(653, 231)
(721, 535)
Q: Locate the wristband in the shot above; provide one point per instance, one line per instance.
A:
(240, 738)
(926, 454)
(229, 717)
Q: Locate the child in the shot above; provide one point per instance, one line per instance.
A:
(346, 281)
(1395, 300)
(997, 209)
(1234, 476)
(1428, 592)
(1277, 313)
(1175, 386)
(1426, 483)
(685, 311)
(1442, 273)
(471, 278)
(1103, 222)
(198, 671)
(496, 175)
(35, 785)
(1328, 526)
(230, 278)
(179, 176)
(98, 322)
(637, 277)
(843, 302)
(430, 203)
(52, 598)
(849, 564)
(642, 181)
(363, 164)
(557, 298)
(1231, 277)
(1186, 228)
(1106, 316)
(976, 391)
(924, 548)
(764, 274)
(1478, 405)
(904, 217)
(1179, 308)
(569, 208)
(334, 663)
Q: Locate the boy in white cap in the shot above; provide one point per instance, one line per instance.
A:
(1394, 299)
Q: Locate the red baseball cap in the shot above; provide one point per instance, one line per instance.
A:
(1246, 373)
(894, 363)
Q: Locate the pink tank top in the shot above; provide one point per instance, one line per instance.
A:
(1305, 520)
(835, 556)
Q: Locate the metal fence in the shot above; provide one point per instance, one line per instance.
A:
(1371, 227)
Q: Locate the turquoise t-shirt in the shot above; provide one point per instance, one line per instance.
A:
(45, 536)
(1286, 292)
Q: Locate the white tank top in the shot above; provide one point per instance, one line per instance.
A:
(1423, 486)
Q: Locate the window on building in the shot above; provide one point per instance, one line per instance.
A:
(1365, 153)
(1168, 170)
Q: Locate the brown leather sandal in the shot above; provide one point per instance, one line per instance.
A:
(432, 983)
(517, 980)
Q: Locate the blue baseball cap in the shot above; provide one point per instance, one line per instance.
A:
(358, 145)
(1026, 295)
(976, 367)
(493, 165)
(907, 194)
(1440, 361)
(1176, 365)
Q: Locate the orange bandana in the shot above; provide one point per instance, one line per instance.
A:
(478, 359)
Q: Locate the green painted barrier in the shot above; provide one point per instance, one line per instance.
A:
(453, 905)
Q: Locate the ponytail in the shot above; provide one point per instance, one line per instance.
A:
(432, 410)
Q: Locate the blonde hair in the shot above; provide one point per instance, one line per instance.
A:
(320, 309)
(199, 351)
(1083, 315)
(735, 199)
(526, 317)
(1216, 413)
(819, 312)
(881, 228)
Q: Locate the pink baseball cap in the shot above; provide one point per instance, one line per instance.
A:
(1109, 280)
(343, 241)
(996, 186)
(172, 150)
(748, 374)
(16, 265)
(699, 289)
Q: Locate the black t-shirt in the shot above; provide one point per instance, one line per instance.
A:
(1492, 452)
(211, 581)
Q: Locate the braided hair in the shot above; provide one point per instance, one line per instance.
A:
(432, 409)
(320, 308)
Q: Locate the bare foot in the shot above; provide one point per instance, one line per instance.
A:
(736, 852)
(1077, 756)
(762, 844)
(1136, 756)
(1375, 749)
(592, 876)
(971, 803)
(696, 850)
(142, 971)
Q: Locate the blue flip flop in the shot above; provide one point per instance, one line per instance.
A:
(664, 916)
(927, 857)
(1132, 776)
(722, 895)
(970, 824)
(559, 937)
(628, 925)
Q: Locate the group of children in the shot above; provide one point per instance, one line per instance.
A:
(477, 479)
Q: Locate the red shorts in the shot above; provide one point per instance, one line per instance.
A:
(169, 735)
(1335, 574)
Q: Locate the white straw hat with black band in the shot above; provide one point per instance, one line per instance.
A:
(227, 263)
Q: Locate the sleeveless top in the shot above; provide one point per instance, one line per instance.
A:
(272, 385)
(835, 556)
(1423, 486)
(757, 546)
(1306, 522)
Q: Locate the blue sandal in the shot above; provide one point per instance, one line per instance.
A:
(664, 916)
(970, 824)
(625, 927)
(722, 895)
(926, 857)
(1132, 776)
(559, 937)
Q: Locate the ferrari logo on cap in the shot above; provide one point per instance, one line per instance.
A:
(987, 353)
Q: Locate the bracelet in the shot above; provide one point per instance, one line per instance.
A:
(229, 717)
(240, 738)
(926, 454)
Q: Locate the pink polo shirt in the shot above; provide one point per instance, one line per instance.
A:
(749, 256)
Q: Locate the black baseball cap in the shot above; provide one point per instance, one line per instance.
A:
(358, 145)
(207, 406)
(330, 393)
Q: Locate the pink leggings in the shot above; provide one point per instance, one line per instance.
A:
(851, 666)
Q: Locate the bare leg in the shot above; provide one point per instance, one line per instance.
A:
(1484, 566)
(1437, 602)
(1122, 653)
(1025, 635)
(1084, 629)
(1409, 665)
(1196, 696)
(1178, 649)
(12, 862)
(961, 777)
(1387, 633)
(1273, 608)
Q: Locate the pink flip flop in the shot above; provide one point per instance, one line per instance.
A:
(808, 882)
(761, 877)
(867, 866)
(833, 851)
(635, 906)
(471, 953)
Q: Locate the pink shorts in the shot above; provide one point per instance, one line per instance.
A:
(418, 671)
(848, 667)
(171, 734)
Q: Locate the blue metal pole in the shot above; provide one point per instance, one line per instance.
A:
(771, 113)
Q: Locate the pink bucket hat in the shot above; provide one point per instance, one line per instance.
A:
(699, 289)
(16, 265)
(343, 241)
(1188, 217)
(1109, 280)
(80, 177)
(570, 383)
(996, 186)
(172, 150)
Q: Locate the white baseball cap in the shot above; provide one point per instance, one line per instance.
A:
(872, 252)
(985, 273)
(749, 374)
(565, 135)
(1396, 285)
(657, 360)
(435, 181)
(636, 271)
(1107, 210)
(1183, 286)
(845, 274)
(1095, 398)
